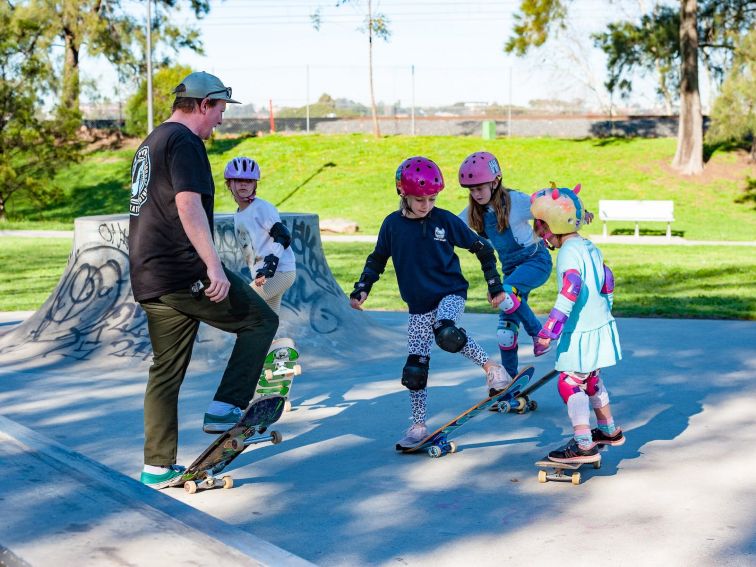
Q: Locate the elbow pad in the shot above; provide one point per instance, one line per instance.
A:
(572, 283)
(280, 234)
(608, 286)
(487, 259)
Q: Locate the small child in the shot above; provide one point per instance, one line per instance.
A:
(263, 237)
(420, 239)
(582, 321)
(502, 215)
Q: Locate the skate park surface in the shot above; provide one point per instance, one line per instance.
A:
(681, 491)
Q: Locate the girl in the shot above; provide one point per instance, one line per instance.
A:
(263, 237)
(582, 321)
(503, 216)
(420, 239)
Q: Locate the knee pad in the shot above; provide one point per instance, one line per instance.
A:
(415, 372)
(511, 301)
(596, 391)
(448, 336)
(507, 336)
(568, 386)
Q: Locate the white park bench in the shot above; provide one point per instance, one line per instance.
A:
(637, 212)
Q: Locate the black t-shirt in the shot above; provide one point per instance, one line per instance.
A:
(170, 160)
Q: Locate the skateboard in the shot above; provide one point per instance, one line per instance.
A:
(261, 413)
(558, 470)
(279, 370)
(522, 402)
(437, 443)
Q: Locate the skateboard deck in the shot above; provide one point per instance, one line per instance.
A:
(552, 470)
(522, 402)
(261, 413)
(437, 443)
(279, 369)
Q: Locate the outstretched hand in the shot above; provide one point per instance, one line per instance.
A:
(260, 281)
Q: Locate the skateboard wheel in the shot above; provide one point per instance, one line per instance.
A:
(521, 404)
(435, 451)
(237, 444)
(504, 407)
(297, 370)
(576, 478)
(287, 406)
(452, 447)
(542, 476)
(228, 482)
(597, 465)
(532, 405)
(276, 437)
(268, 374)
(190, 486)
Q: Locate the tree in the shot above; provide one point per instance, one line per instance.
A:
(107, 29)
(651, 45)
(375, 25)
(164, 81)
(662, 41)
(32, 149)
(688, 158)
(733, 117)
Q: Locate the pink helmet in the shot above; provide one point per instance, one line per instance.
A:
(419, 177)
(480, 167)
(242, 168)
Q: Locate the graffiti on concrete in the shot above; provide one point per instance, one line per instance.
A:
(115, 233)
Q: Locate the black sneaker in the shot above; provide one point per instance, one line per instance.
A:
(601, 438)
(572, 453)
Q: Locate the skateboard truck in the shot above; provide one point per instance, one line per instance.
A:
(557, 469)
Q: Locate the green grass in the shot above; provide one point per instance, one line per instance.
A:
(714, 282)
(352, 177)
(30, 268)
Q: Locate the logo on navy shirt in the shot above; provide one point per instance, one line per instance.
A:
(440, 234)
(140, 178)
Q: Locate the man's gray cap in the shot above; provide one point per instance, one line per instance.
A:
(203, 85)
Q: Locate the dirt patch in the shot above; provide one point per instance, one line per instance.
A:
(718, 167)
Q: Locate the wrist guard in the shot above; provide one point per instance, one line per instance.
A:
(268, 270)
(552, 328)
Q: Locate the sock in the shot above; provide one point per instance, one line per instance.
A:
(583, 438)
(155, 470)
(607, 426)
(219, 408)
(417, 400)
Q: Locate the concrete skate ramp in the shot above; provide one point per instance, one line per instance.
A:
(92, 318)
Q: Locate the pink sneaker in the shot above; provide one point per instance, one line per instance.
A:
(497, 379)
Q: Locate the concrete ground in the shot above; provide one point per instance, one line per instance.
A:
(681, 491)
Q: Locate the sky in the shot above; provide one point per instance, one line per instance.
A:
(268, 50)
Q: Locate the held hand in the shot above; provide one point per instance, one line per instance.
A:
(260, 281)
(217, 291)
(588, 217)
(357, 303)
(496, 300)
(541, 346)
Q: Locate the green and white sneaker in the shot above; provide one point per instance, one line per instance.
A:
(221, 423)
(164, 480)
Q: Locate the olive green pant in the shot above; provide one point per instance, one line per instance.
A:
(172, 321)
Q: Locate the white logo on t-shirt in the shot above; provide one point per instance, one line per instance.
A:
(440, 234)
(140, 178)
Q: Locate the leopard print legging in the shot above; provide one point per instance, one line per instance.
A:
(420, 338)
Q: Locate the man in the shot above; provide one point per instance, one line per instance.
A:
(178, 279)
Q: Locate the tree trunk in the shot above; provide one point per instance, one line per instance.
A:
(689, 155)
(376, 127)
(70, 96)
